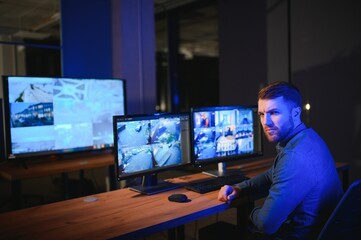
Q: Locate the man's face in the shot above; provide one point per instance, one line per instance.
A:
(276, 118)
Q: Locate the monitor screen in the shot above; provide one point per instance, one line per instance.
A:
(55, 116)
(147, 144)
(225, 133)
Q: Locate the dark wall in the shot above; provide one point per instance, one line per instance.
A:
(86, 38)
(243, 50)
(199, 86)
(314, 44)
(326, 66)
(133, 52)
(243, 54)
(333, 90)
(43, 61)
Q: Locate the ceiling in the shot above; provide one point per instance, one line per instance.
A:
(33, 19)
(40, 19)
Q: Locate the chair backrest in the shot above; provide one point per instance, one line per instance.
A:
(345, 220)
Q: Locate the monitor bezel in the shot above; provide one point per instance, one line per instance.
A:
(48, 154)
(152, 171)
(232, 158)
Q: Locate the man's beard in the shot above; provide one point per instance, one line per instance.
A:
(275, 134)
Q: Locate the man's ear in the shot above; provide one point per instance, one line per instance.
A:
(296, 112)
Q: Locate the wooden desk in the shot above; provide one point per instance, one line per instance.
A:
(15, 173)
(121, 214)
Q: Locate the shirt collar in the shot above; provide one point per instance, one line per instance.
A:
(293, 133)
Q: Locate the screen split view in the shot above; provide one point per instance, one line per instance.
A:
(56, 116)
(148, 144)
(48, 115)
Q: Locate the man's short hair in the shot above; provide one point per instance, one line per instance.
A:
(289, 92)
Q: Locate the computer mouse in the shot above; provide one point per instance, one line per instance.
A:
(178, 197)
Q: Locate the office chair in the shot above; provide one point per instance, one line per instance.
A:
(345, 220)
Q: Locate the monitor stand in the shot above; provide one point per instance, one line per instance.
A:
(151, 185)
(222, 171)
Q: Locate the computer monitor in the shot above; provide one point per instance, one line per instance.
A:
(148, 144)
(222, 134)
(54, 116)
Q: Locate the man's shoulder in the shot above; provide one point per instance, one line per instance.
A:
(305, 138)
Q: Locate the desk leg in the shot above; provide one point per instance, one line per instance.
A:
(81, 182)
(65, 179)
(177, 233)
(243, 213)
(16, 194)
(112, 178)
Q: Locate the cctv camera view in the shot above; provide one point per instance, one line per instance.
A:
(223, 133)
(62, 114)
(151, 143)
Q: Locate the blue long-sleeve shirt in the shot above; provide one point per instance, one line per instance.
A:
(303, 187)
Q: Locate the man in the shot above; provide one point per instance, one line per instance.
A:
(303, 186)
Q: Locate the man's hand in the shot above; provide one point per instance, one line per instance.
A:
(228, 193)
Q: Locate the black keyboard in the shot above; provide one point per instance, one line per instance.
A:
(215, 183)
